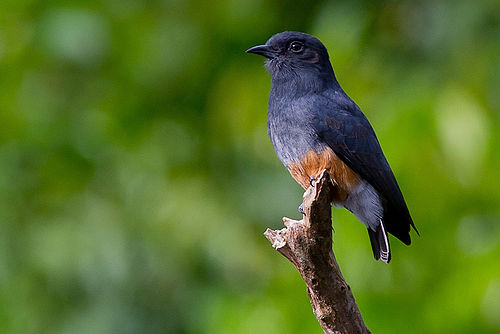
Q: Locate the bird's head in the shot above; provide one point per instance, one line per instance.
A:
(293, 53)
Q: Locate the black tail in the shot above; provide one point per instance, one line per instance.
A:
(398, 222)
(380, 243)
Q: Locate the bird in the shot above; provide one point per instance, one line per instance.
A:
(315, 126)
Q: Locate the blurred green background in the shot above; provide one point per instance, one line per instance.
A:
(136, 175)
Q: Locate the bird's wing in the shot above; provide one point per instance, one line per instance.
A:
(345, 129)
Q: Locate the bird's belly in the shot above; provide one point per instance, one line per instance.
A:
(350, 191)
(312, 164)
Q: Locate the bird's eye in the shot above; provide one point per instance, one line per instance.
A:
(296, 46)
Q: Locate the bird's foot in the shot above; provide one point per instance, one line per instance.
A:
(301, 208)
(312, 179)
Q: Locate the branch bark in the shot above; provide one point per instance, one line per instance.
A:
(307, 243)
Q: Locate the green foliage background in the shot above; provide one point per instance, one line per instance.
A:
(136, 175)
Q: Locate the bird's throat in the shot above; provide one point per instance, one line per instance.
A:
(294, 84)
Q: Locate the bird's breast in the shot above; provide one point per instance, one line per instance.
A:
(298, 147)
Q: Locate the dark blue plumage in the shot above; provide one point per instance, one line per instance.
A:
(314, 125)
(346, 129)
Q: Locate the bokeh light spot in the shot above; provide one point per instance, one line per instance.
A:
(74, 35)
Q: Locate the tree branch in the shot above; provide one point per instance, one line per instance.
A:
(307, 243)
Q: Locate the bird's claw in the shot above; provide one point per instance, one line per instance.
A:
(312, 179)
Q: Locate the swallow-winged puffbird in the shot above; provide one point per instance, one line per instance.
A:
(314, 125)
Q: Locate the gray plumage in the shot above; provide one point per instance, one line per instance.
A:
(309, 111)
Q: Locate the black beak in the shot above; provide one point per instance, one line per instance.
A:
(262, 50)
